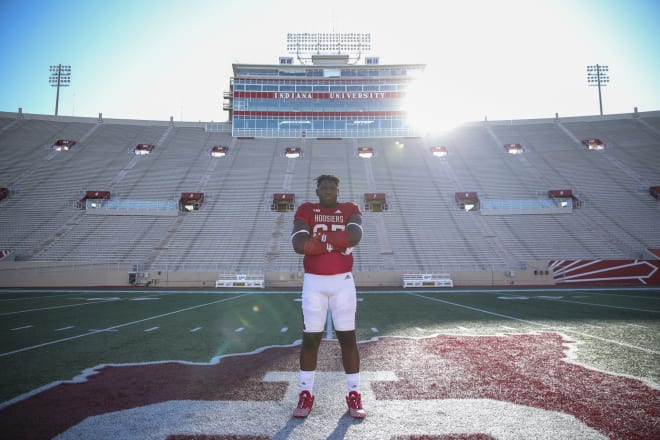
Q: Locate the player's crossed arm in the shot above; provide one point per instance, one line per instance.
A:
(321, 240)
(308, 243)
(344, 240)
(303, 242)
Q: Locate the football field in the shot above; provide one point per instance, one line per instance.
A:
(436, 364)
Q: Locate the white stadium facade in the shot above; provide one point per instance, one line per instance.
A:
(110, 202)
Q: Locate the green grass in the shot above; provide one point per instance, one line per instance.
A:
(54, 336)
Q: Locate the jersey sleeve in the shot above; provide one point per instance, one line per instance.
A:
(304, 213)
(354, 209)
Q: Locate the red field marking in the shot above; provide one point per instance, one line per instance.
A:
(444, 437)
(215, 437)
(529, 370)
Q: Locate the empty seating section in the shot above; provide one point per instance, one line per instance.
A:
(426, 229)
(610, 198)
(421, 232)
(541, 237)
(108, 239)
(652, 121)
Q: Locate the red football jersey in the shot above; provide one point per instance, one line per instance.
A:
(327, 219)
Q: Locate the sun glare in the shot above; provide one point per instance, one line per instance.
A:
(429, 112)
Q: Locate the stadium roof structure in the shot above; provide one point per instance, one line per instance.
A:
(327, 94)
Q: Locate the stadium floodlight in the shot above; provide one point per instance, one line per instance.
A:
(60, 76)
(598, 76)
(307, 44)
(328, 42)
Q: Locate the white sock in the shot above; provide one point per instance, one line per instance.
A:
(307, 381)
(353, 382)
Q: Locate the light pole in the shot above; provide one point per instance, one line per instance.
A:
(60, 76)
(598, 76)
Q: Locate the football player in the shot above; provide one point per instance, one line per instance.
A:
(325, 233)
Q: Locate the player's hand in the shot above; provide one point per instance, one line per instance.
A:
(338, 239)
(314, 246)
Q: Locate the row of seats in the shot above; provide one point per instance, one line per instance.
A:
(422, 231)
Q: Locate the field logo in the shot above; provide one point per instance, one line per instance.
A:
(437, 388)
(387, 418)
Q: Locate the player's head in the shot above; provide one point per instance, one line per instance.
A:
(327, 188)
(329, 177)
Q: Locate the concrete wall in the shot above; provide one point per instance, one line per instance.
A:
(27, 274)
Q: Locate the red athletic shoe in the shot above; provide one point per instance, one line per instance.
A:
(305, 402)
(354, 402)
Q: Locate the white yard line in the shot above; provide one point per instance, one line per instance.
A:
(29, 298)
(93, 332)
(535, 323)
(597, 305)
(21, 328)
(53, 308)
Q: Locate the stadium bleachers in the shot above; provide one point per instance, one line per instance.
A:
(422, 231)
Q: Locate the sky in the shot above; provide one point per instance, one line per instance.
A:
(501, 60)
